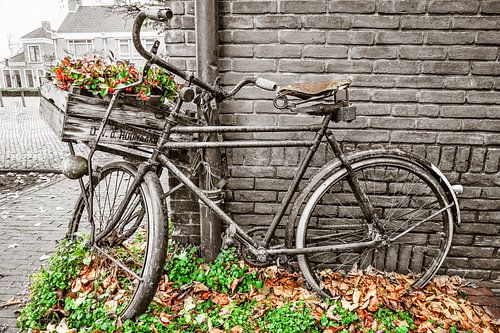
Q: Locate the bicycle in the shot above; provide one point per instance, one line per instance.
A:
(381, 208)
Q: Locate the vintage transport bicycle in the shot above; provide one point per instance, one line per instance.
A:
(381, 208)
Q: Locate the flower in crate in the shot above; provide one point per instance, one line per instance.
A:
(94, 76)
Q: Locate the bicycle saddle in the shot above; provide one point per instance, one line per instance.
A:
(310, 89)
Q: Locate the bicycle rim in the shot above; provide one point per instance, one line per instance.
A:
(409, 202)
(135, 247)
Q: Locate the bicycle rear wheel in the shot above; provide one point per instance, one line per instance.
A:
(410, 203)
(137, 243)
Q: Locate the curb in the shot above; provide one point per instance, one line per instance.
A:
(29, 191)
(57, 171)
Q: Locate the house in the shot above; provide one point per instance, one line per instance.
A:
(102, 30)
(25, 69)
(86, 30)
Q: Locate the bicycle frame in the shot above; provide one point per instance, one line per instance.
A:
(260, 249)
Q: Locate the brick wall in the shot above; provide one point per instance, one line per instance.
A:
(426, 78)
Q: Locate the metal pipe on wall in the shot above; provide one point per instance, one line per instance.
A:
(207, 66)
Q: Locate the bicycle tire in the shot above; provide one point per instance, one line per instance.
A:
(332, 208)
(148, 196)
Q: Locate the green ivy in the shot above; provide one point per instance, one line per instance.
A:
(185, 267)
(388, 319)
(290, 318)
(89, 313)
(49, 283)
(346, 317)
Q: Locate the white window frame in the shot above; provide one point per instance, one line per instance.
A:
(39, 53)
(146, 41)
(128, 44)
(33, 80)
(73, 42)
(132, 52)
(40, 77)
(14, 78)
(10, 76)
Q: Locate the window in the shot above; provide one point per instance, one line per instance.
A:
(41, 74)
(30, 80)
(80, 48)
(16, 73)
(148, 44)
(7, 79)
(34, 53)
(124, 49)
(127, 51)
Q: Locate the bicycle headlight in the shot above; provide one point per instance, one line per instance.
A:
(74, 167)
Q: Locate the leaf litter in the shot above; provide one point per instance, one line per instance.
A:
(438, 307)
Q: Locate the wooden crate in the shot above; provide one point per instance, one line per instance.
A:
(77, 118)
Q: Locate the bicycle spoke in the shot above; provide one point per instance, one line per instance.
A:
(116, 193)
(402, 201)
(119, 263)
(328, 237)
(421, 222)
(407, 222)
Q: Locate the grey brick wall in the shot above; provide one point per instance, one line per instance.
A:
(426, 78)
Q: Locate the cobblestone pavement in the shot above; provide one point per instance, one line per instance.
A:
(26, 142)
(30, 227)
(32, 221)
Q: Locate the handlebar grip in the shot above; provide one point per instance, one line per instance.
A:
(158, 14)
(265, 84)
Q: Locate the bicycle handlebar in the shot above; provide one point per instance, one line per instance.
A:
(163, 15)
(265, 84)
(157, 14)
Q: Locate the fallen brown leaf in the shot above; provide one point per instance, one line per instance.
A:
(10, 302)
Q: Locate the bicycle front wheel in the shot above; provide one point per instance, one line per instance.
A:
(135, 247)
(411, 205)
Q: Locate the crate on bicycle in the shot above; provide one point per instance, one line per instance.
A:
(75, 99)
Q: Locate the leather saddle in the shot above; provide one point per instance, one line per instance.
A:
(308, 90)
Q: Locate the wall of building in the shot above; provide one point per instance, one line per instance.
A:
(104, 43)
(426, 78)
(46, 52)
(38, 70)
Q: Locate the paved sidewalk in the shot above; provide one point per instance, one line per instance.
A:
(30, 227)
(33, 222)
(26, 142)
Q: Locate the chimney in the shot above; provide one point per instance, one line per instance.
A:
(73, 5)
(46, 25)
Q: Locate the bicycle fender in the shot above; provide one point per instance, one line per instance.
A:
(449, 191)
(335, 164)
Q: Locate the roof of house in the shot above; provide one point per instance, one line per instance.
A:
(39, 33)
(97, 19)
(18, 57)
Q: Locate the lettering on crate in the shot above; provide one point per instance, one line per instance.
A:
(126, 134)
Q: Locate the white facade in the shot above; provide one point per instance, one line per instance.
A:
(43, 47)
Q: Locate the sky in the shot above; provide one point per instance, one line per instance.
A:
(19, 17)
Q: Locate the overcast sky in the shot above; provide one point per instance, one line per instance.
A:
(18, 17)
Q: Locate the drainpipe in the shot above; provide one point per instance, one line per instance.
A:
(207, 56)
